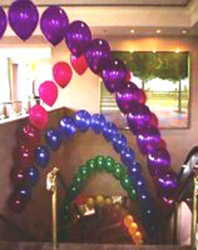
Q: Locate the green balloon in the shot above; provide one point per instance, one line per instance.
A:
(91, 165)
(100, 162)
(109, 158)
(110, 166)
(132, 194)
(84, 172)
(125, 181)
(117, 172)
(73, 192)
(78, 180)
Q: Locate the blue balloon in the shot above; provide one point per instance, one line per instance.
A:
(24, 192)
(98, 122)
(140, 184)
(127, 156)
(53, 138)
(32, 176)
(68, 126)
(42, 156)
(83, 120)
(119, 143)
(134, 170)
(110, 131)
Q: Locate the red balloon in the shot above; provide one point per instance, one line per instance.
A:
(162, 144)
(30, 135)
(128, 77)
(154, 120)
(17, 202)
(62, 73)
(48, 92)
(79, 64)
(18, 176)
(38, 117)
(26, 155)
(142, 98)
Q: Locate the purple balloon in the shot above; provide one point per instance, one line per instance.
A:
(114, 74)
(127, 96)
(97, 52)
(54, 24)
(148, 138)
(3, 22)
(23, 18)
(78, 37)
(158, 161)
(138, 118)
(167, 182)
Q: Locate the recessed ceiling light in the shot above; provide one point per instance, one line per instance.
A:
(184, 31)
(177, 50)
(132, 31)
(154, 51)
(158, 31)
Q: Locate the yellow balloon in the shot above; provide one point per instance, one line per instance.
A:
(133, 228)
(90, 203)
(82, 209)
(137, 237)
(99, 200)
(108, 201)
(128, 220)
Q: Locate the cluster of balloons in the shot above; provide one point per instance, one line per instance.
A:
(132, 229)
(23, 18)
(99, 163)
(25, 175)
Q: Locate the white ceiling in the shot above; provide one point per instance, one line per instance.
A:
(107, 2)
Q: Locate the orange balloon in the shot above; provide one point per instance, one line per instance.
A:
(137, 237)
(128, 220)
(133, 228)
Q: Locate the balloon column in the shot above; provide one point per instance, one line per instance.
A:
(132, 229)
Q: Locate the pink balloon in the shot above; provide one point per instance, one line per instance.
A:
(48, 92)
(79, 64)
(38, 117)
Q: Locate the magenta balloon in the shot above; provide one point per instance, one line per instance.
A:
(148, 138)
(3, 22)
(97, 52)
(23, 18)
(114, 74)
(138, 118)
(48, 92)
(158, 161)
(167, 181)
(127, 96)
(54, 24)
(78, 37)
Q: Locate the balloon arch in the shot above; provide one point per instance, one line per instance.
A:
(23, 18)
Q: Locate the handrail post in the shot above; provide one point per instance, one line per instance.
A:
(51, 185)
(194, 209)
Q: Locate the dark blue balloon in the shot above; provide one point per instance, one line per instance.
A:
(24, 192)
(68, 126)
(127, 156)
(83, 120)
(42, 156)
(53, 138)
(98, 122)
(110, 131)
(119, 143)
(32, 176)
(134, 170)
(140, 184)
